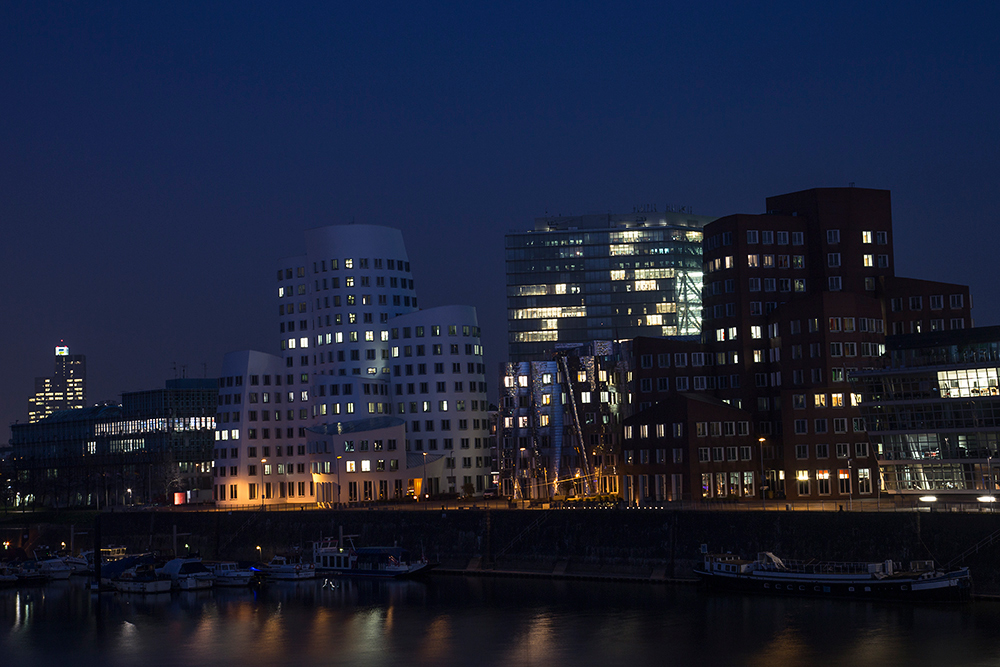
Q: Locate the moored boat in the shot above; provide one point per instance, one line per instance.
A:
(228, 573)
(188, 574)
(142, 579)
(871, 581)
(8, 577)
(338, 557)
(54, 568)
(29, 572)
(282, 569)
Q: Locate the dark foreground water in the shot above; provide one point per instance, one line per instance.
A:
(474, 622)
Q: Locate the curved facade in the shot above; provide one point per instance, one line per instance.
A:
(439, 388)
(355, 351)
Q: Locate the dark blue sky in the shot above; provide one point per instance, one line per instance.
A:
(157, 159)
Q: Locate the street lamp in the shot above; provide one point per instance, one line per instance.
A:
(338, 480)
(522, 468)
(260, 559)
(262, 462)
(763, 487)
(424, 482)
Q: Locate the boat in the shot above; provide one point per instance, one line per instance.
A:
(230, 574)
(54, 568)
(329, 556)
(114, 569)
(78, 564)
(868, 581)
(339, 557)
(142, 579)
(188, 574)
(281, 568)
(30, 572)
(8, 577)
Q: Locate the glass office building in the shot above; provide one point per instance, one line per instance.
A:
(933, 415)
(603, 277)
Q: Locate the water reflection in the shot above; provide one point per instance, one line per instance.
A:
(456, 621)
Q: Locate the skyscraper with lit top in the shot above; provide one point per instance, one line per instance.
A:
(66, 389)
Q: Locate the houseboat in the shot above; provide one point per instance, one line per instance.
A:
(868, 581)
(337, 557)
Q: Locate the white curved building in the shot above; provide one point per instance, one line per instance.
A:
(359, 363)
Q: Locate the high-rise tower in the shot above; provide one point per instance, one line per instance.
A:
(577, 279)
(65, 390)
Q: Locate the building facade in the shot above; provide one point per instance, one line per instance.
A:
(156, 444)
(692, 448)
(559, 425)
(66, 389)
(796, 300)
(933, 413)
(603, 277)
(358, 356)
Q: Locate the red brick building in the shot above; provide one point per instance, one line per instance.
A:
(794, 301)
(690, 447)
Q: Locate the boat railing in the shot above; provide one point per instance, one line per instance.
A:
(817, 566)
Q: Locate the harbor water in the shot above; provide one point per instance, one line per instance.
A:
(449, 620)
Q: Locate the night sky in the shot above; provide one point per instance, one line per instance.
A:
(156, 159)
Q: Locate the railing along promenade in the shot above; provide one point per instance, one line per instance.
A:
(890, 504)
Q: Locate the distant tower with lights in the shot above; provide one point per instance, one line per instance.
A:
(65, 390)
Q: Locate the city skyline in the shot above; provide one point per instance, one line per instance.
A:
(157, 164)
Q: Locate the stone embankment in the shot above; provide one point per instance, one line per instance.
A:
(656, 545)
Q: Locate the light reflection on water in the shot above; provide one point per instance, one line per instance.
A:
(470, 622)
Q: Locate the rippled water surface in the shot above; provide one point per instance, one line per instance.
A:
(472, 622)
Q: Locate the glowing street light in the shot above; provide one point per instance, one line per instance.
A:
(763, 486)
(338, 480)
(262, 462)
(424, 483)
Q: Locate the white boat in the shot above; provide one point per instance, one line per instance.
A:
(54, 568)
(78, 564)
(340, 557)
(188, 574)
(281, 569)
(53, 562)
(228, 573)
(142, 579)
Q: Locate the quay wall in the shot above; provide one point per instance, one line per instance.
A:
(643, 543)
